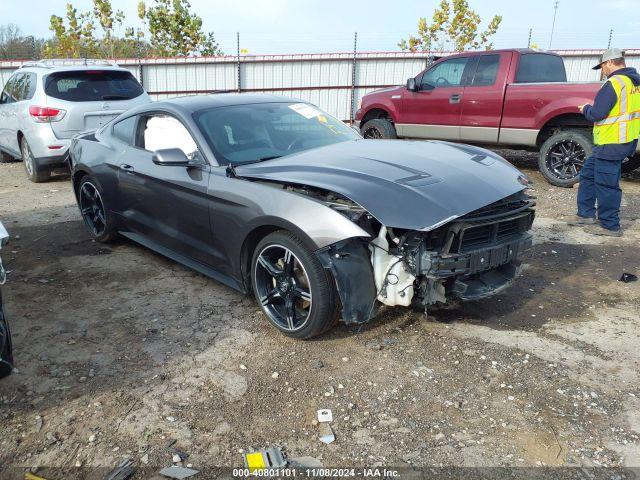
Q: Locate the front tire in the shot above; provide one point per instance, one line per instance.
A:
(379, 128)
(295, 292)
(35, 173)
(94, 212)
(563, 155)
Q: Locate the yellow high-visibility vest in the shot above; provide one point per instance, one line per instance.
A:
(623, 123)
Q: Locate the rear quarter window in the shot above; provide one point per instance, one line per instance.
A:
(92, 86)
(540, 67)
(124, 129)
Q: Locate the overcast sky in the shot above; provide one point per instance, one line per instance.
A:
(283, 26)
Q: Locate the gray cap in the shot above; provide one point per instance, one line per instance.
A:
(610, 54)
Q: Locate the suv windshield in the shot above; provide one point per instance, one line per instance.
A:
(92, 85)
(250, 133)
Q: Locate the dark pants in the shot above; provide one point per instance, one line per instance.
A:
(600, 183)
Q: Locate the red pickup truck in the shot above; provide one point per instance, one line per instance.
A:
(517, 98)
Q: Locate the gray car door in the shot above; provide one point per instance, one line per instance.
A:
(166, 205)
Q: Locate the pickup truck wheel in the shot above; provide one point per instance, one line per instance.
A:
(631, 163)
(379, 128)
(563, 155)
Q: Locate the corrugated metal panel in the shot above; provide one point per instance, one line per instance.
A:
(323, 79)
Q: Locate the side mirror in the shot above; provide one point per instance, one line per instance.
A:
(171, 156)
(411, 85)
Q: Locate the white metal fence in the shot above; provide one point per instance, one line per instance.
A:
(334, 81)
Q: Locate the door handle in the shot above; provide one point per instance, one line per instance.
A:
(127, 168)
(455, 98)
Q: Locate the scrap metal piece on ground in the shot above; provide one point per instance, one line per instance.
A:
(122, 471)
(268, 458)
(325, 415)
(178, 472)
(326, 434)
(170, 447)
(628, 277)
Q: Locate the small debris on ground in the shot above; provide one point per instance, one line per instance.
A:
(178, 472)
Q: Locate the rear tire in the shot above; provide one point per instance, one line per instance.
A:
(94, 211)
(562, 156)
(35, 173)
(314, 312)
(379, 128)
(631, 164)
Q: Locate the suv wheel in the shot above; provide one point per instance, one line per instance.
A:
(35, 173)
(296, 293)
(378, 128)
(563, 155)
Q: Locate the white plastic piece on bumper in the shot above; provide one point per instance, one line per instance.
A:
(393, 283)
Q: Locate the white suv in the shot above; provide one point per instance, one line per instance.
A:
(45, 103)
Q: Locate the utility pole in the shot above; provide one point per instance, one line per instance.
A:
(610, 37)
(553, 25)
(529, 41)
(238, 57)
(353, 77)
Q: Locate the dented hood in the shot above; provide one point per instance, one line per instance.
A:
(416, 185)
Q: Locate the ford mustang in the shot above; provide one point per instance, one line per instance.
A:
(272, 195)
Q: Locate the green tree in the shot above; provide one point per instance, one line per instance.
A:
(453, 22)
(175, 31)
(74, 39)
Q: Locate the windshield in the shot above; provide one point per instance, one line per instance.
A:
(249, 133)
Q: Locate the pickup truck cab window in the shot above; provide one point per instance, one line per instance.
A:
(540, 67)
(447, 73)
(486, 71)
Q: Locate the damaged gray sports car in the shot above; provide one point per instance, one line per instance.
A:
(274, 196)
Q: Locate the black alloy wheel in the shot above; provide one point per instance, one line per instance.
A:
(565, 159)
(563, 155)
(92, 208)
(283, 288)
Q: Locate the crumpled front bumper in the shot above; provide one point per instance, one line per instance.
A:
(479, 273)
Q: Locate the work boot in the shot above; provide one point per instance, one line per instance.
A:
(578, 221)
(605, 232)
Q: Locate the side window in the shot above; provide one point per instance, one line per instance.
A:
(157, 132)
(445, 74)
(123, 130)
(7, 92)
(486, 71)
(24, 86)
(540, 67)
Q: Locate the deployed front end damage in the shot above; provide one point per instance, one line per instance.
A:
(471, 257)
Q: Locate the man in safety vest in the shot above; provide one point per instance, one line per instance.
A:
(615, 114)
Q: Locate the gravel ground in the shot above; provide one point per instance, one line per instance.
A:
(120, 351)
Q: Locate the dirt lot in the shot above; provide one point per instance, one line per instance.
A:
(120, 350)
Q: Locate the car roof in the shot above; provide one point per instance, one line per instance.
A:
(193, 103)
